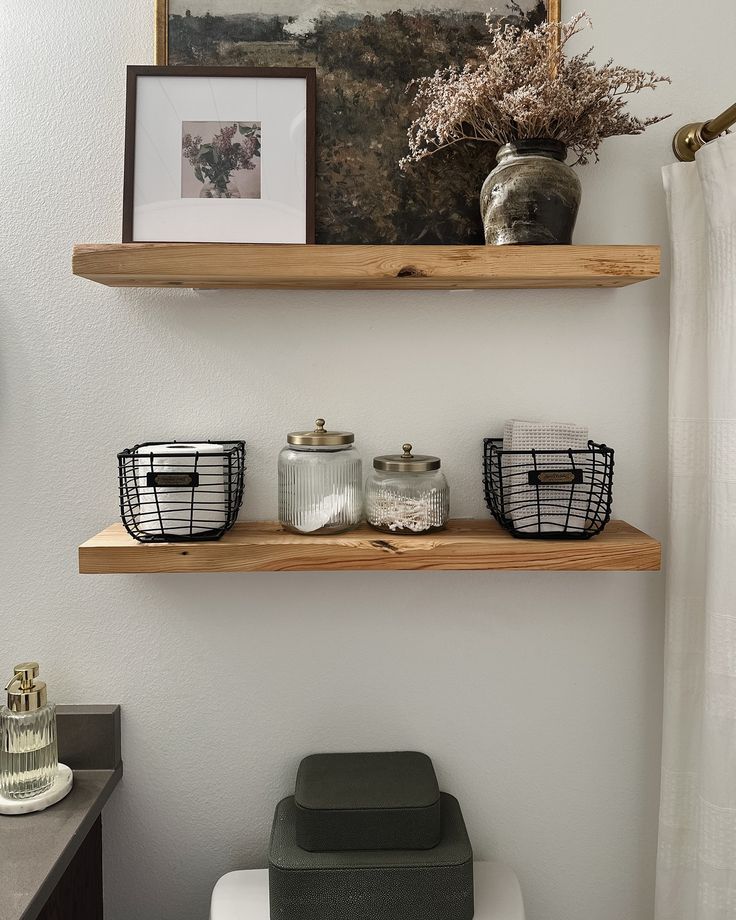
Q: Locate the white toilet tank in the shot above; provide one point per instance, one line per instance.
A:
(244, 895)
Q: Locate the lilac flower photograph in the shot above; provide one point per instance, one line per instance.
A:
(221, 159)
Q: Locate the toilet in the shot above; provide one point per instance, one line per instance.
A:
(243, 895)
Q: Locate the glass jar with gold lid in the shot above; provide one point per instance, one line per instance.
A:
(320, 481)
(407, 493)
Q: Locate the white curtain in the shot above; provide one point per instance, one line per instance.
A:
(696, 864)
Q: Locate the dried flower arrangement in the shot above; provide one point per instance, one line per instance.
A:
(526, 87)
(214, 162)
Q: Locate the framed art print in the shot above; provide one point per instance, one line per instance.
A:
(366, 53)
(219, 155)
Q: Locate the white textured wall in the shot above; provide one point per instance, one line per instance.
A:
(538, 696)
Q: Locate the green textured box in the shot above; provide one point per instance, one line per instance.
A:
(434, 884)
(369, 801)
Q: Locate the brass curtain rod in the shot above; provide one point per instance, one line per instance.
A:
(692, 137)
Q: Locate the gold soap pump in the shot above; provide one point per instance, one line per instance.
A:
(29, 694)
(28, 750)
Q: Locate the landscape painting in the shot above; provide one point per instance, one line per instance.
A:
(366, 53)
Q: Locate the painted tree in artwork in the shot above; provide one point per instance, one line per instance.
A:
(534, 17)
(363, 113)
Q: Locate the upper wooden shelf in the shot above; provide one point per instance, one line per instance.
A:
(251, 265)
(465, 544)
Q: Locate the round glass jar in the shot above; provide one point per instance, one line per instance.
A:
(320, 481)
(407, 494)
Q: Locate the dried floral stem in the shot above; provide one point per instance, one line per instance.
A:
(525, 87)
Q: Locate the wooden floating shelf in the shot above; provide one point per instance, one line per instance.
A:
(255, 265)
(466, 544)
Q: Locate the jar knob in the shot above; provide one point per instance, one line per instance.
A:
(407, 451)
(319, 424)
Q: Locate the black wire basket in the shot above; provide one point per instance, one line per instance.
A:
(181, 491)
(549, 494)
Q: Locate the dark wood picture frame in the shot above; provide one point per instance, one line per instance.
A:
(308, 74)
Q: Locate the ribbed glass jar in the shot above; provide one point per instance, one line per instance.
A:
(407, 502)
(407, 493)
(320, 481)
(29, 760)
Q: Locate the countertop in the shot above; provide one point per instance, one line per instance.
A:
(30, 869)
(36, 849)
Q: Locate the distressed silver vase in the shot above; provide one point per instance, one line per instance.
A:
(531, 197)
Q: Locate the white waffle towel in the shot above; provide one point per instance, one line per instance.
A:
(520, 499)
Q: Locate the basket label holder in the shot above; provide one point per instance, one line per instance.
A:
(188, 480)
(555, 477)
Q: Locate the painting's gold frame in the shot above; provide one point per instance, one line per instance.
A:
(161, 55)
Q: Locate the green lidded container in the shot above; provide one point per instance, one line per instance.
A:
(429, 884)
(367, 801)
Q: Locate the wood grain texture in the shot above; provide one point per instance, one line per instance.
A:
(466, 544)
(256, 265)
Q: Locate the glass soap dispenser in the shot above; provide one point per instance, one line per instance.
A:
(28, 754)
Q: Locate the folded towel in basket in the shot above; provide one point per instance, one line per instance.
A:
(546, 509)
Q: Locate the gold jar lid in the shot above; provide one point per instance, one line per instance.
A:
(406, 462)
(320, 437)
(25, 693)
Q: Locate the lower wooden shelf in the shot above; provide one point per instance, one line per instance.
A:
(465, 544)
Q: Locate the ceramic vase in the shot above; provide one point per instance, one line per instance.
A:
(531, 197)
